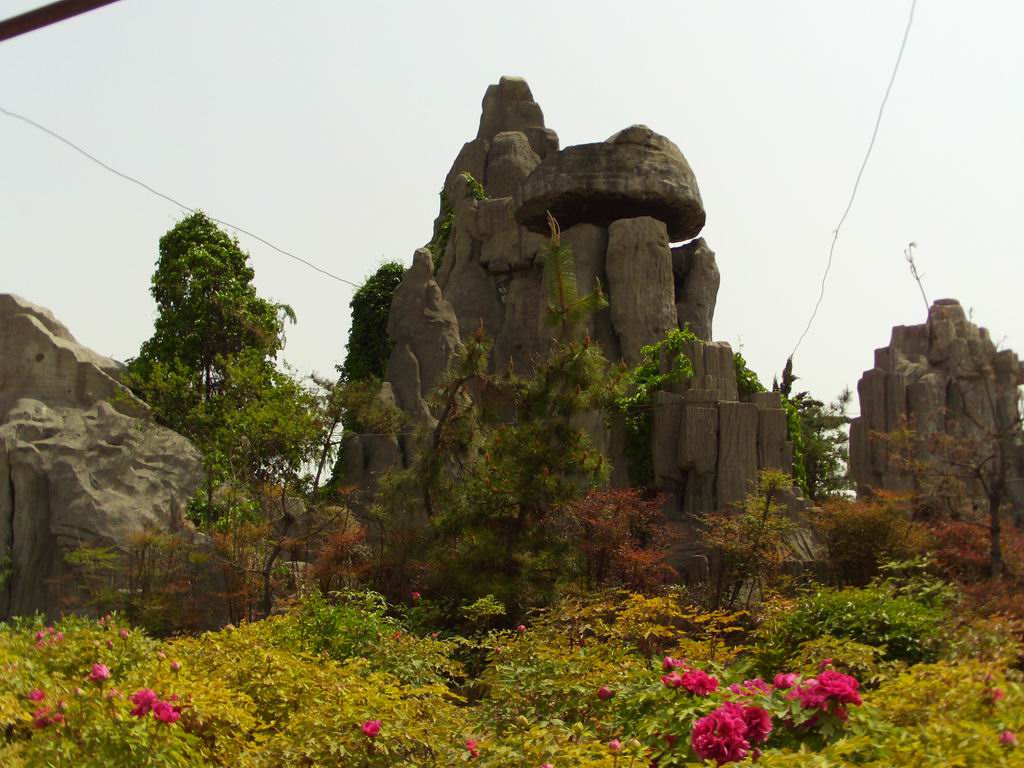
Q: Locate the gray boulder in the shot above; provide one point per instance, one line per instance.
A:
(81, 463)
(636, 172)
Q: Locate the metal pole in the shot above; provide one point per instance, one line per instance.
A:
(47, 15)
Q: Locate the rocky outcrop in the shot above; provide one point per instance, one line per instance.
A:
(640, 285)
(634, 173)
(620, 204)
(80, 461)
(943, 377)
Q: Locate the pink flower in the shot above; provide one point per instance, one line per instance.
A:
(165, 713)
(36, 695)
(785, 680)
(110, 644)
(614, 745)
(58, 637)
(144, 699)
(824, 664)
(699, 682)
(371, 728)
(668, 663)
(471, 746)
(161, 655)
(415, 597)
(726, 733)
(521, 628)
(40, 635)
(604, 693)
(721, 735)
(674, 680)
(175, 666)
(754, 687)
(996, 694)
(671, 738)
(100, 673)
(1008, 739)
(829, 690)
(42, 718)
(759, 724)
(547, 765)
(123, 634)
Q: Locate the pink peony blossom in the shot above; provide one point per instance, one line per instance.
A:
(829, 690)
(1008, 738)
(175, 666)
(36, 695)
(668, 663)
(725, 735)
(471, 747)
(40, 635)
(699, 682)
(100, 673)
(785, 680)
(415, 596)
(165, 712)
(996, 694)
(547, 765)
(604, 693)
(824, 664)
(754, 687)
(521, 628)
(759, 724)
(721, 735)
(144, 699)
(371, 728)
(123, 633)
(110, 644)
(674, 680)
(614, 745)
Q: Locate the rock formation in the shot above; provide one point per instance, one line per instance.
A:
(79, 461)
(621, 204)
(945, 376)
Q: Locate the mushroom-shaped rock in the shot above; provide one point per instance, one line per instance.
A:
(636, 172)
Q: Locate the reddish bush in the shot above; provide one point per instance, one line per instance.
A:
(622, 538)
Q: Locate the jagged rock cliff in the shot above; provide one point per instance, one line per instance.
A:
(79, 461)
(945, 376)
(621, 204)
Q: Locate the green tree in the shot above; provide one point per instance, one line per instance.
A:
(208, 313)
(368, 347)
(504, 456)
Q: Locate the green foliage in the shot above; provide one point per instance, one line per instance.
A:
(443, 228)
(207, 312)
(296, 689)
(822, 445)
(750, 543)
(566, 307)
(660, 365)
(368, 347)
(794, 430)
(746, 380)
(492, 489)
(903, 620)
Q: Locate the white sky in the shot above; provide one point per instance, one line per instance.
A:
(328, 127)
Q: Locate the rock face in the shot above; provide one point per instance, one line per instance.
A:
(945, 376)
(620, 204)
(79, 461)
(634, 173)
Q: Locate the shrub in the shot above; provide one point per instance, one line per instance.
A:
(861, 534)
(909, 627)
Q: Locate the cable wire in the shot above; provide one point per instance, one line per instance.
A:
(860, 173)
(168, 198)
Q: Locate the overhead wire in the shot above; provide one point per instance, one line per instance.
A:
(168, 198)
(860, 174)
